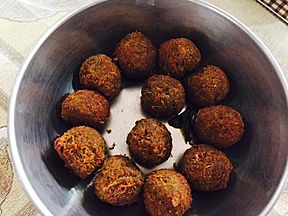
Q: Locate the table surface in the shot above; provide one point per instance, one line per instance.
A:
(19, 32)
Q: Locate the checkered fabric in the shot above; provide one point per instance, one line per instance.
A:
(278, 7)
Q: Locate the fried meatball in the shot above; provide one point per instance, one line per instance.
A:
(208, 86)
(82, 149)
(220, 126)
(100, 73)
(136, 55)
(166, 192)
(205, 168)
(85, 107)
(119, 181)
(149, 142)
(178, 56)
(162, 96)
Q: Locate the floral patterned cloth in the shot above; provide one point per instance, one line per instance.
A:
(22, 22)
(31, 10)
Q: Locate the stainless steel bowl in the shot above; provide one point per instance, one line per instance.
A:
(259, 92)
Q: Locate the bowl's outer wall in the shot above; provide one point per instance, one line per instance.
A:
(259, 159)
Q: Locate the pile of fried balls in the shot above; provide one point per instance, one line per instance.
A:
(173, 77)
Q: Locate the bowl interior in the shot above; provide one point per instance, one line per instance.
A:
(256, 91)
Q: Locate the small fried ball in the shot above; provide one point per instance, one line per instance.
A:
(136, 55)
(220, 126)
(82, 149)
(162, 96)
(208, 86)
(178, 57)
(166, 192)
(149, 142)
(100, 73)
(85, 107)
(205, 168)
(119, 181)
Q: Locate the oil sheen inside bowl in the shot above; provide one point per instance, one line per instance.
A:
(257, 91)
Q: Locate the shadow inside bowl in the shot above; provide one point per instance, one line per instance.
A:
(56, 167)
(240, 151)
(58, 124)
(215, 198)
(76, 85)
(94, 206)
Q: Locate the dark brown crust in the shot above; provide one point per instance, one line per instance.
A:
(219, 125)
(178, 57)
(82, 149)
(166, 192)
(100, 73)
(208, 86)
(136, 55)
(205, 168)
(150, 142)
(85, 107)
(119, 181)
(162, 96)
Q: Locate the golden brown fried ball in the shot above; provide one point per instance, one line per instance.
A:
(178, 57)
(220, 126)
(119, 181)
(205, 168)
(85, 107)
(150, 142)
(166, 192)
(82, 149)
(136, 55)
(100, 73)
(162, 96)
(208, 86)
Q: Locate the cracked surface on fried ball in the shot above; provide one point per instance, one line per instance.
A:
(220, 126)
(119, 181)
(205, 168)
(136, 55)
(166, 192)
(82, 149)
(85, 107)
(162, 96)
(149, 142)
(208, 86)
(178, 57)
(100, 73)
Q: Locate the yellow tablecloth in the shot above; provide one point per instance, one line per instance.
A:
(18, 37)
